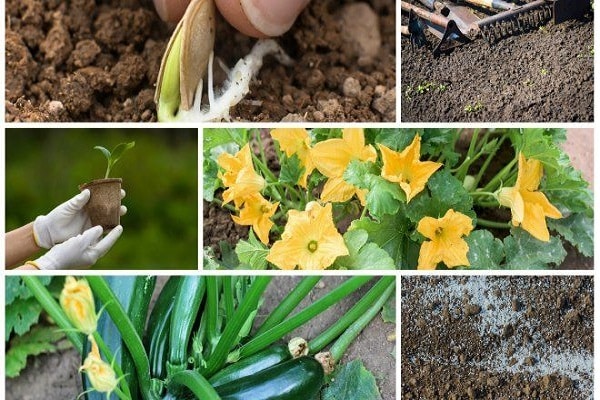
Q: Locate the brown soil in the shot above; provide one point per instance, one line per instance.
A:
(87, 60)
(497, 337)
(540, 76)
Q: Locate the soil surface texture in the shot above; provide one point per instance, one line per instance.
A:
(55, 377)
(501, 338)
(543, 75)
(86, 60)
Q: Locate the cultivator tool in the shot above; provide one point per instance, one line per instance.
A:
(459, 21)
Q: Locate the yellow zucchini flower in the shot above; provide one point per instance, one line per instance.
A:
(331, 157)
(446, 243)
(310, 240)
(77, 302)
(406, 169)
(257, 212)
(529, 207)
(239, 176)
(101, 375)
(296, 141)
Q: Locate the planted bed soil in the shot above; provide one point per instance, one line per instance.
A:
(501, 338)
(86, 60)
(544, 75)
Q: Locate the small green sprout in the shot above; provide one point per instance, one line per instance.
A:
(471, 108)
(543, 72)
(115, 155)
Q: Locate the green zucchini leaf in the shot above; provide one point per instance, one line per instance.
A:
(577, 229)
(37, 341)
(252, 252)
(214, 137)
(523, 251)
(291, 170)
(352, 381)
(363, 254)
(485, 251)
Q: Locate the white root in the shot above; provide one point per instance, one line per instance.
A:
(235, 87)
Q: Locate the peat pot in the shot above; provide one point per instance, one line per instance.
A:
(105, 202)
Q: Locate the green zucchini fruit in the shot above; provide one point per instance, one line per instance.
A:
(190, 293)
(251, 365)
(157, 330)
(297, 379)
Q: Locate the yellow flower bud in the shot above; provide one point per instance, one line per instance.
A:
(77, 301)
(101, 375)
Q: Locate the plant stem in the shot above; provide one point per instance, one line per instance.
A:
(127, 330)
(51, 306)
(228, 297)
(492, 224)
(267, 338)
(230, 333)
(359, 309)
(212, 310)
(341, 345)
(494, 184)
(289, 303)
(227, 206)
(488, 160)
(261, 148)
(480, 193)
(196, 383)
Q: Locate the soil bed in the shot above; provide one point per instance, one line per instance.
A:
(540, 76)
(87, 60)
(497, 337)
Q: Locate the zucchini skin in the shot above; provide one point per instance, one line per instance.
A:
(251, 365)
(190, 294)
(157, 331)
(297, 379)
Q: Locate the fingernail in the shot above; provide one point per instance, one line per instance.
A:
(273, 17)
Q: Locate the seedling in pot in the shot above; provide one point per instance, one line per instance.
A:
(104, 206)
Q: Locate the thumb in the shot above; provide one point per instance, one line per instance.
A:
(92, 235)
(109, 240)
(171, 10)
(261, 18)
(77, 202)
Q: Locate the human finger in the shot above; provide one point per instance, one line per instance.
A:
(171, 10)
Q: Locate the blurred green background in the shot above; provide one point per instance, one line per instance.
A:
(160, 175)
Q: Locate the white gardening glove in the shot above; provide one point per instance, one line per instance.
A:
(79, 251)
(65, 221)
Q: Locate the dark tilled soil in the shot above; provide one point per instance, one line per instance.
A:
(540, 76)
(497, 337)
(87, 60)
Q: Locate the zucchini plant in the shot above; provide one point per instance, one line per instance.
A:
(201, 339)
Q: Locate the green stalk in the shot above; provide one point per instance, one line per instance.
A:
(228, 297)
(277, 332)
(261, 148)
(289, 303)
(488, 160)
(212, 310)
(51, 306)
(233, 327)
(341, 345)
(493, 185)
(127, 330)
(359, 309)
(492, 224)
(196, 383)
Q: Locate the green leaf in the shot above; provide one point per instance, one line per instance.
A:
(446, 192)
(39, 340)
(441, 143)
(104, 151)
(363, 255)
(252, 252)
(384, 197)
(320, 134)
(213, 137)
(395, 139)
(485, 251)
(388, 313)
(119, 150)
(390, 234)
(211, 181)
(578, 230)
(352, 381)
(21, 315)
(523, 251)
(291, 170)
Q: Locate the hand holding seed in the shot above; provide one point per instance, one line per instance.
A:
(256, 18)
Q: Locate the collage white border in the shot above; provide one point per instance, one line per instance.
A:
(594, 125)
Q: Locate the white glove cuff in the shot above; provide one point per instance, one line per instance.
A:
(41, 234)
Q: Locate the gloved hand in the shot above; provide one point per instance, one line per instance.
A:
(65, 221)
(79, 251)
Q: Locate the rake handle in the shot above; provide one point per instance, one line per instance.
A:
(426, 15)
